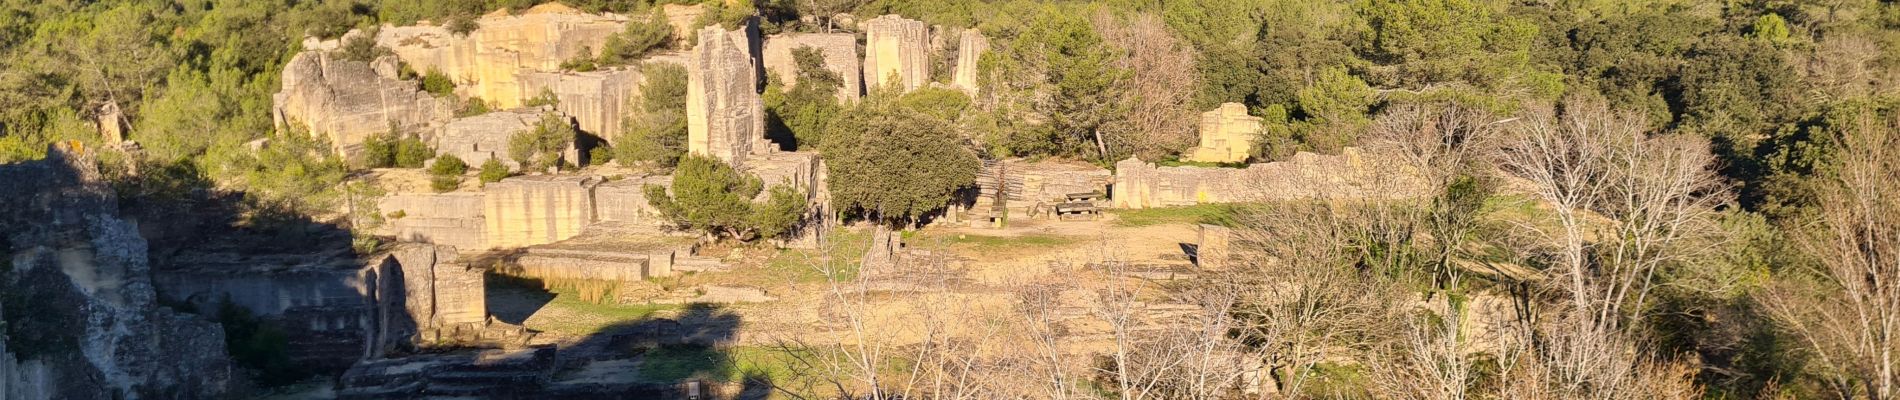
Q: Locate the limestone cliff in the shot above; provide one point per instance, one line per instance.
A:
(478, 138)
(600, 101)
(724, 114)
(346, 101)
(83, 321)
(840, 52)
(896, 48)
(970, 49)
(487, 62)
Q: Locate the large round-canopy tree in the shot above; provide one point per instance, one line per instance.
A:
(893, 166)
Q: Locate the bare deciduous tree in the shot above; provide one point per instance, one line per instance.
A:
(1850, 315)
(1159, 90)
(1625, 203)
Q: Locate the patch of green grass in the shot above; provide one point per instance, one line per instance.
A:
(964, 242)
(1217, 214)
(846, 248)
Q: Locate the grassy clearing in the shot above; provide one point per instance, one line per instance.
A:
(966, 243)
(583, 307)
(1217, 214)
(846, 249)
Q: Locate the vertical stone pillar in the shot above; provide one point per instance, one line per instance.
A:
(970, 49)
(724, 114)
(896, 46)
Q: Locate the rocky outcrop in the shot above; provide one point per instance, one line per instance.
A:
(1306, 176)
(479, 138)
(896, 52)
(530, 210)
(487, 62)
(346, 101)
(724, 115)
(840, 52)
(970, 49)
(84, 320)
(1228, 134)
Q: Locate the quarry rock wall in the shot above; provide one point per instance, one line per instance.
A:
(92, 326)
(453, 219)
(971, 46)
(1306, 176)
(840, 52)
(476, 139)
(530, 210)
(598, 100)
(347, 101)
(896, 48)
(724, 114)
(487, 62)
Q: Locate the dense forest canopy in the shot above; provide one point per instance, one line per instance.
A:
(1779, 88)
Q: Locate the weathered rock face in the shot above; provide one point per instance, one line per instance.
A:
(347, 101)
(324, 303)
(598, 100)
(88, 324)
(452, 219)
(625, 201)
(724, 115)
(1306, 176)
(1227, 135)
(682, 17)
(840, 52)
(478, 138)
(895, 46)
(486, 63)
(970, 49)
(530, 210)
(439, 293)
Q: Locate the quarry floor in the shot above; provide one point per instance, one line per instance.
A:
(969, 275)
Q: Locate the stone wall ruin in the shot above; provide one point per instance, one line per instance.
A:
(1306, 176)
(1228, 134)
(530, 210)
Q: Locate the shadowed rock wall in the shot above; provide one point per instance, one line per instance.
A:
(87, 323)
